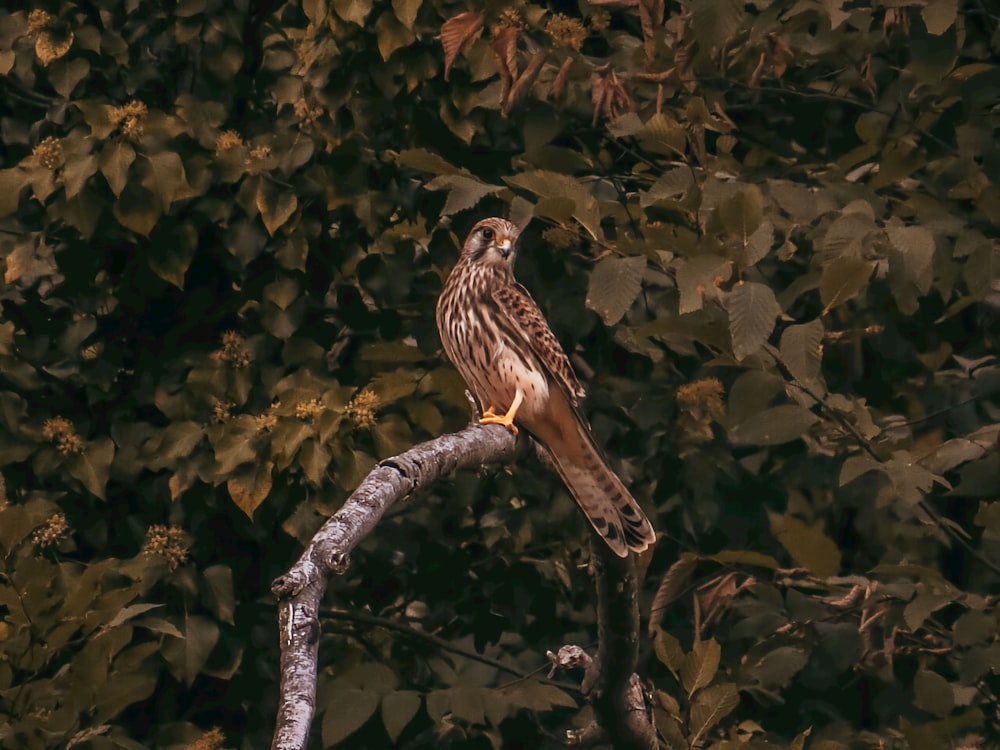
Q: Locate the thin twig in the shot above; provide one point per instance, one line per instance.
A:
(444, 645)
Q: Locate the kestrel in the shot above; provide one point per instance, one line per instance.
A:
(498, 339)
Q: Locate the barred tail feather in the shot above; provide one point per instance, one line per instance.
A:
(602, 496)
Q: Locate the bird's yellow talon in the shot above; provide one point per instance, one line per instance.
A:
(490, 418)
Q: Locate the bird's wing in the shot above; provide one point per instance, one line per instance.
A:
(520, 309)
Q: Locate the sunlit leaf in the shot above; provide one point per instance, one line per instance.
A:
(700, 665)
(276, 205)
(355, 11)
(807, 545)
(710, 706)
(249, 488)
(392, 35)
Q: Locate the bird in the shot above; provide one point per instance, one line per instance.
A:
(499, 341)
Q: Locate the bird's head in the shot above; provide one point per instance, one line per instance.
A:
(492, 242)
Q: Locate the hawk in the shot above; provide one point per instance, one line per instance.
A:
(498, 340)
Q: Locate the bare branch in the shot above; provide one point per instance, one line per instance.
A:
(301, 590)
(615, 691)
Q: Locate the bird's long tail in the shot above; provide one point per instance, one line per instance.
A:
(602, 496)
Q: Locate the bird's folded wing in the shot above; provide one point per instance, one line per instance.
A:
(516, 303)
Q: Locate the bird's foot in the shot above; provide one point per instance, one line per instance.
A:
(491, 417)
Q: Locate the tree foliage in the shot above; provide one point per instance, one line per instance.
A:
(223, 229)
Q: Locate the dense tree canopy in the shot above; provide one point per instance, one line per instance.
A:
(766, 233)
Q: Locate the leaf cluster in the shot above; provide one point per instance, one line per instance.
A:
(766, 233)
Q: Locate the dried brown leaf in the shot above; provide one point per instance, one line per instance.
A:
(714, 597)
(456, 32)
(558, 89)
(520, 89)
(651, 18)
(608, 95)
(505, 50)
(673, 583)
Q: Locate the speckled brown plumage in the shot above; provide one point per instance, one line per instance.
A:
(498, 339)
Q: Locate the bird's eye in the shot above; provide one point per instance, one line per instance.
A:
(488, 234)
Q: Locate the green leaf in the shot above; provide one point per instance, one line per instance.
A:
(355, 11)
(554, 186)
(12, 184)
(137, 209)
(250, 486)
(742, 213)
(282, 292)
(392, 434)
(114, 161)
(398, 710)
(802, 353)
(753, 311)
(777, 667)
(176, 441)
(167, 178)
(614, 285)
(533, 695)
(950, 454)
(757, 245)
(97, 116)
(773, 426)
(92, 466)
(276, 205)
(744, 557)
(843, 279)
(933, 693)
(76, 172)
(186, 656)
(314, 459)
(464, 191)
(423, 160)
(939, 16)
(671, 184)
(346, 712)
(923, 605)
(130, 612)
(123, 689)
(700, 665)
(709, 707)
(911, 264)
(65, 74)
(668, 651)
(662, 134)
(808, 546)
(391, 34)
(218, 595)
(698, 276)
(856, 466)
(370, 677)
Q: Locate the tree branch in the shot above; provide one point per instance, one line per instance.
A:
(616, 693)
(619, 701)
(301, 589)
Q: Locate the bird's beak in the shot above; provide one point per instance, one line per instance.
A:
(504, 247)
